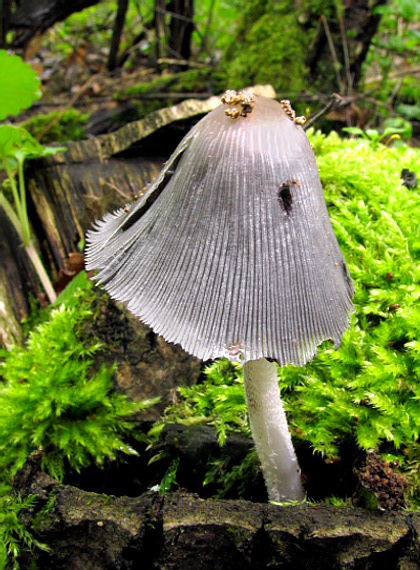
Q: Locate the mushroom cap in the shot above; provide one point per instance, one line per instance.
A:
(231, 252)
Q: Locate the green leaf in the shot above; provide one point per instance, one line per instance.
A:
(410, 111)
(372, 133)
(19, 85)
(17, 144)
(354, 131)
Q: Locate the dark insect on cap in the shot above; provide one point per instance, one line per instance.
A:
(230, 252)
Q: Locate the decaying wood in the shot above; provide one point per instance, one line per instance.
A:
(182, 531)
(14, 305)
(148, 367)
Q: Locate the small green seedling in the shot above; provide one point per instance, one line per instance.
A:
(374, 136)
(19, 88)
(17, 145)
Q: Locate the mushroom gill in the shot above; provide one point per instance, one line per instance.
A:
(230, 252)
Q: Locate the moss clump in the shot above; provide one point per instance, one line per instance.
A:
(53, 396)
(271, 45)
(58, 126)
(268, 51)
(59, 407)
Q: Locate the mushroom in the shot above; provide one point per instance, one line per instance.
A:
(231, 253)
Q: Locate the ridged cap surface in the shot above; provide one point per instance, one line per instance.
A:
(231, 253)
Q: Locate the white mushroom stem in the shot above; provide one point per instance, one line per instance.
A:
(270, 431)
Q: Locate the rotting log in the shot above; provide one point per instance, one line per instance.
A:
(14, 304)
(147, 366)
(70, 190)
(181, 531)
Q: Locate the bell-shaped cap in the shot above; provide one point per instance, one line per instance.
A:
(230, 252)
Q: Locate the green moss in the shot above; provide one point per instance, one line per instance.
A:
(268, 53)
(58, 126)
(54, 397)
(271, 43)
(15, 538)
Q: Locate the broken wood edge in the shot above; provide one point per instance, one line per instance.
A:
(181, 530)
(113, 143)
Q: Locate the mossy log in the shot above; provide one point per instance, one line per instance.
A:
(181, 531)
(147, 366)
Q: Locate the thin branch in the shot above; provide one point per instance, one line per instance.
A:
(11, 214)
(181, 62)
(337, 101)
(42, 274)
(207, 28)
(175, 15)
(344, 41)
(186, 95)
(394, 75)
(334, 102)
(160, 29)
(116, 34)
(337, 65)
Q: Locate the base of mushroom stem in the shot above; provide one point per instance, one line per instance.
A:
(270, 431)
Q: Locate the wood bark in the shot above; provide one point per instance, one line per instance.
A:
(116, 34)
(14, 304)
(181, 531)
(32, 19)
(5, 11)
(181, 28)
(67, 193)
(342, 43)
(173, 37)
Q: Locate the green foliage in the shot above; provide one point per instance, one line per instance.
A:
(217, 31)
(219, 402)
(168, 482)
(375, 137)
(367, 391)
(58, 126)
(269, 46)
(19, 86)
(394, 49)
(53, 397)
(235, 477)
(15, 538)
(16, 146)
